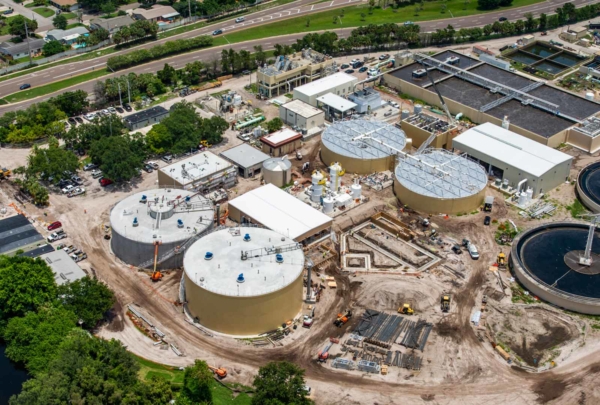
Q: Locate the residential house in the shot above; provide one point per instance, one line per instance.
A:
(20, 50)
(157, 13)
(66, 37)
(65, 5)
(112, 25)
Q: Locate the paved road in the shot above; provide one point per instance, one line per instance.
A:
(64, 71)
(29, 13)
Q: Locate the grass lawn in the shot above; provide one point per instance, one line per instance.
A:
(352, 16)
(4, 29)
(69, 16)
(52, 87)
(69, 26)
(221, 395)
(44, 11)
(31, 5)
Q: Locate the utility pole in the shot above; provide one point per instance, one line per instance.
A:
(27, 39)
(120, 101)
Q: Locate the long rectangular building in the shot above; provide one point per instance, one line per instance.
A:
(203, 171)
(340, 84)
(485, 93)
(509, 156)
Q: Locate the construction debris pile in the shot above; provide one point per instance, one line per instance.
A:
(379, 328)
(538, 210)
(416, 334)
(378, 181)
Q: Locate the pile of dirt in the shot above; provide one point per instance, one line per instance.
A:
(447, 327)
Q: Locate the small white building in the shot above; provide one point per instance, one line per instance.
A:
(509, 156)
(335, 107)
(247, 158)
(203, 172)
(302, 116)
(64, 268)
(340, 84)
(280, 211)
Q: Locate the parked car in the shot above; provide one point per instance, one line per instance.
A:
(153, 164)
(217, 32)
(148, 168)
(56, 236)
(384, 56)
(89, 166)
(394, 104)
(502, 19)
(7, 12)
(105, 182)
(345, 66)
(105, 112)
(64, 183)
(67, 189)
(77, 179)
(127, 107)
(239, 19)
(408, 23)
(54, 225)
(96, 173)
(357, 64)
(72, 121)
(349, 71)
(24, 86)
(246, 72)
(473, 251)
(167, 158)
(79, 120)
(363, 69)
(120, 110)
(112, 110)
(487, 220)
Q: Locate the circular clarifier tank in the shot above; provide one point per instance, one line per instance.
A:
(545, 259)
(588, 186)
(244, 281)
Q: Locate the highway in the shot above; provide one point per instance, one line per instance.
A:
(64, 71)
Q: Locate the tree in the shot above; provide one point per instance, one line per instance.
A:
(71, 102)
(25, 285)
(16, 26)
(197, 382)
(159, 139)
(260, 56)
(52, 48)
(34, 339)
(570, 11)
(274, 125)
(505, 3)
(488, 4)
(543, 23)
(529, 22)
(280, 383)
(118, 157)
(52, 161)
(88, 299)
(168, 75)
(60, 22)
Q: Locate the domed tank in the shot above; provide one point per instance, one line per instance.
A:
(277, 171)
(356, 190)
(328, 205)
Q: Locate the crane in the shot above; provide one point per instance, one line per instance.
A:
(156, 275)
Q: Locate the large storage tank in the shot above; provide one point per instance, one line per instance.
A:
(167, 216)
(588, 186)
(438, 181)
(362, 146)
(277, 171)
(244, 283)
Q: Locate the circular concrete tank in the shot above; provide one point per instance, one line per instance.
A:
(438, 181)
(168, 216)
(588, 186)
(363, 155)
(277, 171)
(542, 260)
(240, 296)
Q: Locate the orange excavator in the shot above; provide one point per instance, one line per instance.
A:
(156, 275)
(219, 372)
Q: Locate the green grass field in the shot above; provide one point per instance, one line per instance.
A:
(44, 11)
(221, 395)
(4, 29)
(52, 87)
(357, 15)
(69, 16)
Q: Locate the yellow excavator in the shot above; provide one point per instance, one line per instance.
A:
(501, 260)
(406, 310)
(156, 275)
(4, 173)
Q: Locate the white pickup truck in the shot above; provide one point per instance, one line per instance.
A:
(53, 237)
(76, 191)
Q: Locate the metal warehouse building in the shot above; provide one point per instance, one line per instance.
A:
(203, 171)
(340, 84)
(297, 114)
(275, 209)
(145, 118)
(485, 93)
(247, 158)
(17, 233)
(509, 156)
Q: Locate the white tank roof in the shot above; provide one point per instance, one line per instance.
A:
(262, 274)
(123, 214)
(277, 164)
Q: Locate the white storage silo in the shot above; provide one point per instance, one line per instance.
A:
(328, 205)
(277, 171)
(335, 172)
(418, 108)
(356, 190)
(317, 186)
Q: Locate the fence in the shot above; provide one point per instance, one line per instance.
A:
(53, 58)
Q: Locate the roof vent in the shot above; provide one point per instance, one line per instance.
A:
(279, 258)
(208, 256)
(135, 222)
(188, 198)
(247, 238)
(240, 278)
(179, 223)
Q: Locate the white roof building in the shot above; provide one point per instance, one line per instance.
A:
(64, 268)
(202, 171)
(335, 106)
(508, 155)
(339, 84)
(280, 211)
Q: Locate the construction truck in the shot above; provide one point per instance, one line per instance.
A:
(445, 302)
(4, 173)
(324, 354)
(488, 203)
(501, 260)
(219, 372)
(342, 319)
(406, 309)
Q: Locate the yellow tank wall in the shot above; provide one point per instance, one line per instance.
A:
(357, 165)
(244, 316)
(433, 205)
